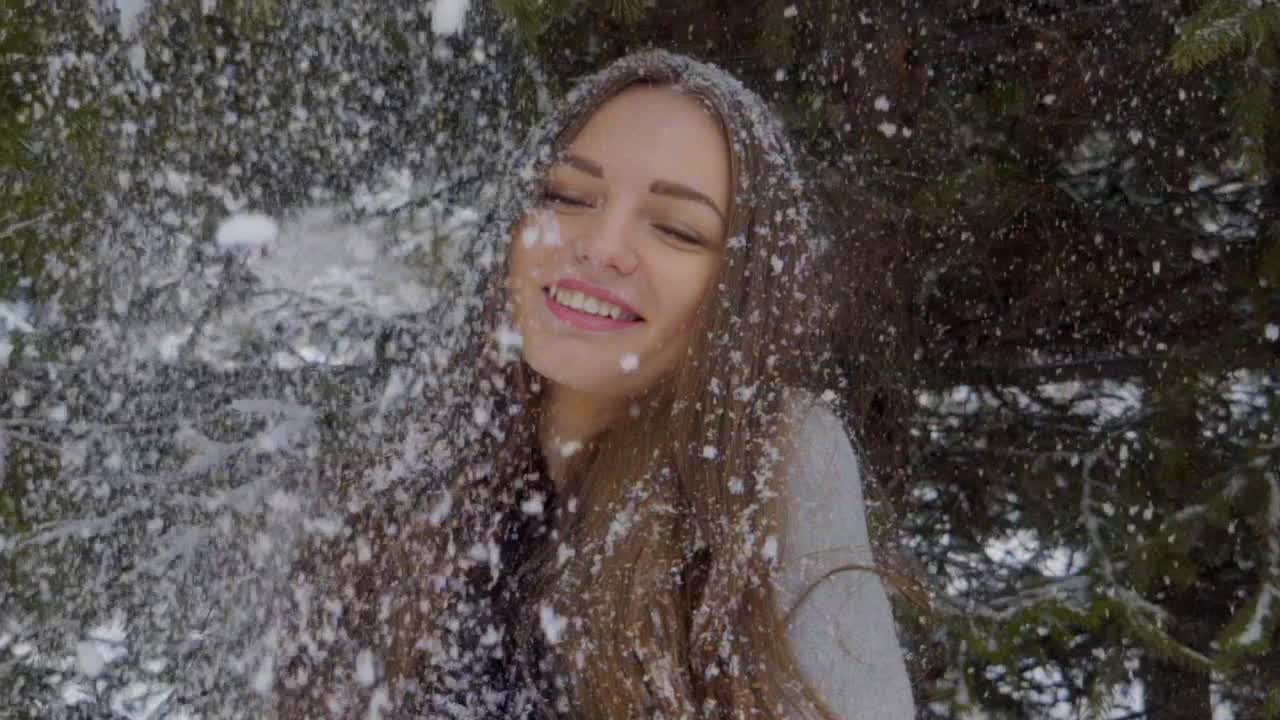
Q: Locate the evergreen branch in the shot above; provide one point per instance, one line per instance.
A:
(1251, 629)
(1222, 29)
(15, 228)
(626, 11)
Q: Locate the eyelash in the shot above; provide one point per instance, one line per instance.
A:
(551, 196)
(682, 236)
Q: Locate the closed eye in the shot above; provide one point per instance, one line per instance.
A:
(679, 234)
(557, 198)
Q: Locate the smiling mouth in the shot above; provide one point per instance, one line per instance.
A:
(587, 307)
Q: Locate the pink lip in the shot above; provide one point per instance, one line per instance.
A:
(585, 321)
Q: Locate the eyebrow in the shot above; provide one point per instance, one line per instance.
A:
(658, 187)
(583, 164)
(662, 187)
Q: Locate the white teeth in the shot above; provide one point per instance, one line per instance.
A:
(586, 304)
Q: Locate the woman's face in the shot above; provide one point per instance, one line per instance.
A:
(610, 268)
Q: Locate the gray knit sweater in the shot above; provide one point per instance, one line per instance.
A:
(843, 633)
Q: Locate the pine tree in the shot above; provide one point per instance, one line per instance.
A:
(1057, 341)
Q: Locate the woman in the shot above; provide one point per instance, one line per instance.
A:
(649, 516)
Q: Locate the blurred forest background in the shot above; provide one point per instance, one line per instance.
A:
(1059, 230)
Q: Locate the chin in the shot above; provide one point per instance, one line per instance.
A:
(580, 371)
(576, 374)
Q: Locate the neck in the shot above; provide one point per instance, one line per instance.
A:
(570, 419)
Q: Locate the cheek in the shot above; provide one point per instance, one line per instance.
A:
(686, 286)
(535, 245)
(526, 259)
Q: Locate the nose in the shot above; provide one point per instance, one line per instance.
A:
(605, 241)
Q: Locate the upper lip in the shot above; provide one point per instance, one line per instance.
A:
(598, 293)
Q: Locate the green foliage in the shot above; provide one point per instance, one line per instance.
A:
(1031, 167)
(1007, 272)
(28, 463)
(1246, 35)
(1223, 28)
(533, 18)
(51, 154)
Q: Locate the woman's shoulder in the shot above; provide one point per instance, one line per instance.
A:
(825, 513)
(814, 425)
(840, 624)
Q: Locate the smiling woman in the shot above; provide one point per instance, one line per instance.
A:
(640, 230)
(654, 516)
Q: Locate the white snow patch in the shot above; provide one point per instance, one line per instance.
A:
(73, 693)
(709, 452)
(1272, 332)
(770, 549)
(112, 632)
(141, 700)
(532, 506)
(1202, 180)
(364, 668)
(91, 658)
(1263, 616)
(882, 103)
(58, 414)
(550, 229)
(15, 317)
(264, 677)
(569, 448)
(321, 259)
(629, 362)
(448, 16)
(790, 12)
(1204, 254)
(247, 230)
(509, 339)
(553, 625)
(169, 345)
(530, 236)
(129, 12)
(1252, 632)
(378, 702)
(887, 129)
(138, 58)
(440, 510)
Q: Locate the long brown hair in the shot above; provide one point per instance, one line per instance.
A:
(644, 587)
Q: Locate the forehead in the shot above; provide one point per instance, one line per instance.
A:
(657, 132)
